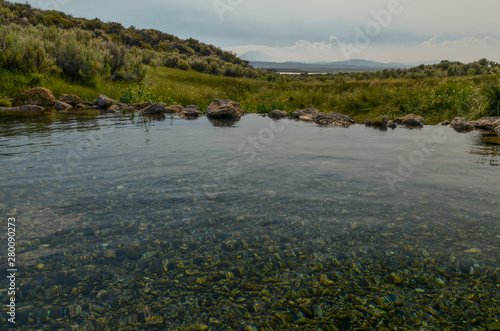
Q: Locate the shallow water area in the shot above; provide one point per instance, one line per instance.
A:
(130, 222)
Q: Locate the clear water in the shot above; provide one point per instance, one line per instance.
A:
(107, 203)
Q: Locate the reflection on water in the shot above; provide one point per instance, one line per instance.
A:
(487, 147)
(129, 222)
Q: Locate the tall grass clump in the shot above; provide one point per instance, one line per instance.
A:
(492, 95)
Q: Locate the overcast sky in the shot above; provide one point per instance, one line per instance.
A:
(315, 30)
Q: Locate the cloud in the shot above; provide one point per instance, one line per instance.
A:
(301, 51)
(430, 43)
(466, 49)
(297, 30)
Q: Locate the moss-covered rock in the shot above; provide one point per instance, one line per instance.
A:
(39, 96)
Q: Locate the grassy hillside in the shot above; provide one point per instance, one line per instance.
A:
(38, 41)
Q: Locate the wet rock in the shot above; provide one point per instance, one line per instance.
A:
(335, 119)
(53, 292)
(71, 99)
(154, 109)
(222, 108)
(25, 108)
(307, 114)
(113, 109)
(411, 120)
(82, 106)
(474, 250)
(378, 122)
(60, 105)
(125, 107)
(392, 125)
(486, 123)
(445, 123)
(460, 124)
(190, 112)
(497, 130)
(109, 254)
(104, 102)
(131, 251)
(277, 114)
(142, 105)
(39, 96)
(174, 109)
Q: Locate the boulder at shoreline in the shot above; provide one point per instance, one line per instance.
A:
(460, 124)
(154, 109)
(70, 99)
(60, 105)
(190, 112)
(222, 108)
(315, 115)
(378, 122)
(277, 114)
(307, 114)
(335, 119)
(104, 102)
(410, 120)
(39, 96)
(174, 109)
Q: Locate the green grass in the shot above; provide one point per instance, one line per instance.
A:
(436, 99)
(13, 84)
(190, 87)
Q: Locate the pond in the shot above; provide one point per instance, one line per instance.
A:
(131, 223)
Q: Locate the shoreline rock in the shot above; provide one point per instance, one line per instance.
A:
(70, 99)
(61, 105)
(222, 108)
(317, 116)
(378, 122)
(104, 102)
(410, 120)
(39, 96)
(190, 112)
(154, 109)
(24, 108)
(335, 119)
(276, 114)
(460, 124)
(174, 109)
(142, 105)
(307, 114)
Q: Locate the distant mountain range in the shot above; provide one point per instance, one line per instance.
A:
(355, 65)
